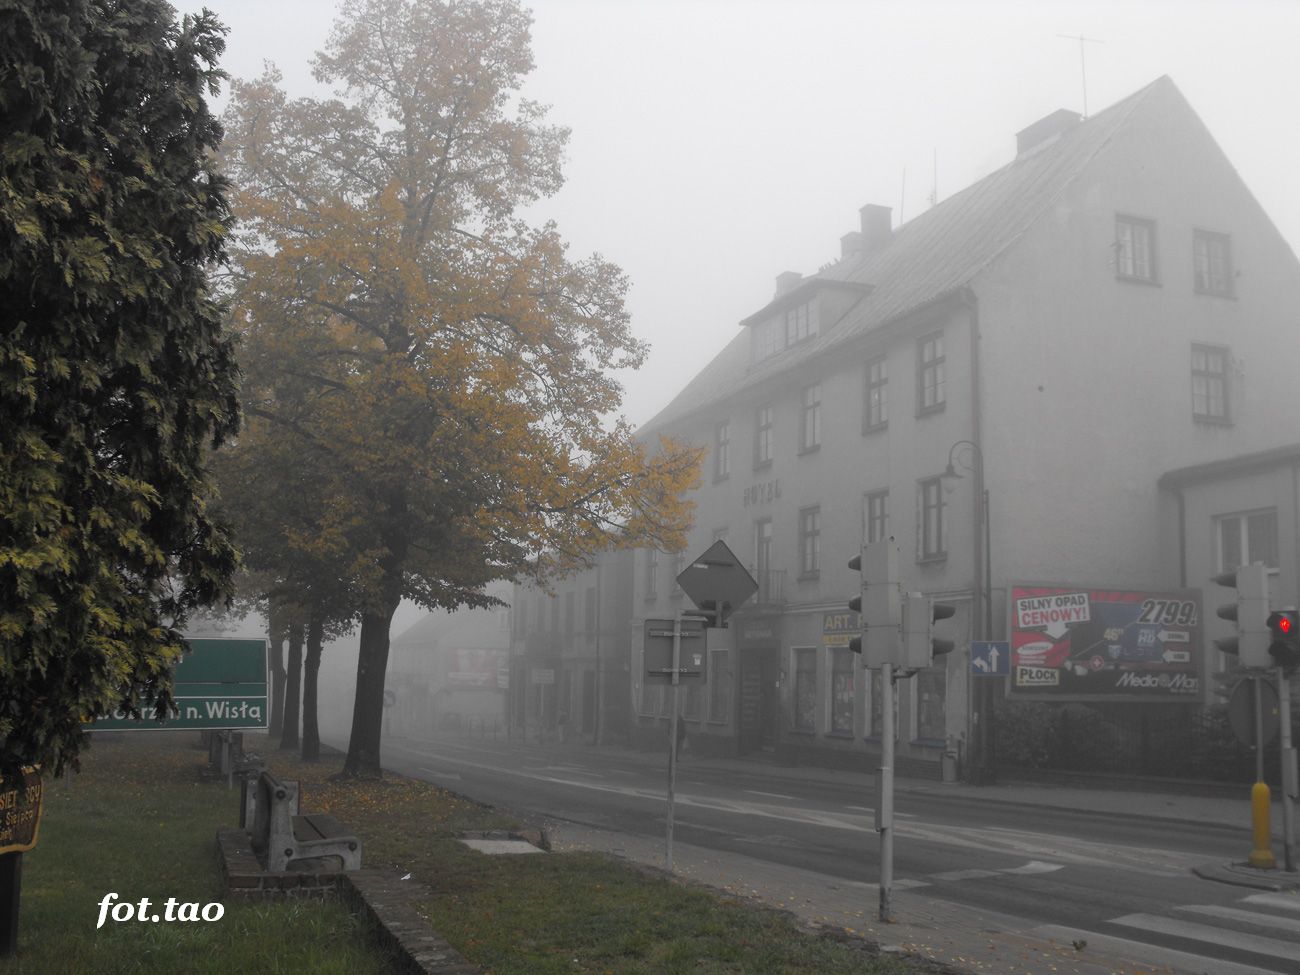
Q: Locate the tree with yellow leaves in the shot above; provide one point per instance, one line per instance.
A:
(450, 365)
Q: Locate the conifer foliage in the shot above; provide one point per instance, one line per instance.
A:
(116, 376)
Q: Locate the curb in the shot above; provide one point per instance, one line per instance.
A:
(1243, 875)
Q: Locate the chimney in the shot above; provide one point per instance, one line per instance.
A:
(1045, 130)
(877, 226)
(852, 243)
(786, 281)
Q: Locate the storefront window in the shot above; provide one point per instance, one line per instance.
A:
(842, 697)
(719, 685)
(931, 696)
(805, 690)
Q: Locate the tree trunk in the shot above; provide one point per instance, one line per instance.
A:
(275, 633)
(310, 727)
(368, 710)
(292, 690)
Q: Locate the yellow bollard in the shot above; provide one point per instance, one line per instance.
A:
(1260, 807)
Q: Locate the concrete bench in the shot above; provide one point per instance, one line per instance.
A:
(282, 838)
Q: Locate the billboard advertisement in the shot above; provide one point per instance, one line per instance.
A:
(1117, 644)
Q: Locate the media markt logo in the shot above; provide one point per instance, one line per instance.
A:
(1169, 683)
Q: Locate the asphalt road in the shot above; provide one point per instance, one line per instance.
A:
(1126, 877)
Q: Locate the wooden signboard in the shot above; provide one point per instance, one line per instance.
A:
(20, 811)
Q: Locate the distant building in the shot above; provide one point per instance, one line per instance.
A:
(450, 671)
(571, 656)
(1084, 334)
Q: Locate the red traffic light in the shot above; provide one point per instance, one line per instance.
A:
(1284, 625)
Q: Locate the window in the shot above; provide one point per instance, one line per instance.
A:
(1209, 384)
(691, 701)
(651, 574)
(1135, 255)
(842, 696)
(767, 339)
(931, 700)
(877, 706)
(1211, 263)
(810, 541)
(763, 558)
(679, 565)
(800, 324)
(810, 430)
(568, 614)
(930, 513)
(805, 689)
(877, 516)
(722, 451)
(876, 414)
(763, 436)
(719, 685)
(930, 374)
(1246, 538)
(590, 613)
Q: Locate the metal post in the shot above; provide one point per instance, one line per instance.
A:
(11, 883)
(1259, 729)
(885, 800)
(1288, 770)
(672, 737)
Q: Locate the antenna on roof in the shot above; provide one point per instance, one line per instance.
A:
(934, 186)
(1083, 64)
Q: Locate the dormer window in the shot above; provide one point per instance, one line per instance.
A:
(800, 323)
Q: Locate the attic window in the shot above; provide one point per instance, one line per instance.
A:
(800, 323)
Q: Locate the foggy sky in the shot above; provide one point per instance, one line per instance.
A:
(716, 144)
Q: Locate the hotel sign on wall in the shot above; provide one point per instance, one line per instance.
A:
(764, 493)
(1119, 644)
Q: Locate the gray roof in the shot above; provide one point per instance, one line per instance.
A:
(929, 258)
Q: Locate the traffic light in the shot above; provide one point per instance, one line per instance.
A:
(855, 604)
(880, 604)
(1284, 630)
(1250, 642)
(920, 645)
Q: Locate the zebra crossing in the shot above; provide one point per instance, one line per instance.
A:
(1266, 927)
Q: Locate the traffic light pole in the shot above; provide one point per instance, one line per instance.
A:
(672, 738)
(1288, 770)
(885, 800)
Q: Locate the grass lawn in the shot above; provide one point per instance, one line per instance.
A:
(141, 819)
(140, 822)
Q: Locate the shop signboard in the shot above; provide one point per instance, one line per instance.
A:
(1081, 642)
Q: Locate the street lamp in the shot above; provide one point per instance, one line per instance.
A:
(983, 771)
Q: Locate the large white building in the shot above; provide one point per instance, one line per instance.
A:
(1111, 308)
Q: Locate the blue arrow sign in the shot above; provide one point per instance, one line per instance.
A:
(990, 658)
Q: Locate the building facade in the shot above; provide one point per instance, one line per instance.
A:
(999, 385)
(570, 660)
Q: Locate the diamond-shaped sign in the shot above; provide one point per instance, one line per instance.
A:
(717, 581)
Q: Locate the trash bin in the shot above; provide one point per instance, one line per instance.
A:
(948, 766)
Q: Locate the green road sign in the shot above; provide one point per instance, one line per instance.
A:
(219, 684)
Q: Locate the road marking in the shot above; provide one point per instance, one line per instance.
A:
(1157, 956)
(1288, 902)
(1291, 924)
(770, 795)
(1210, 934)
(955, 875)
(1033, 867)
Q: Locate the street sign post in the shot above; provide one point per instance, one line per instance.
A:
(990, 658)
(219, 685)
(716, 581)
(660, 636)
